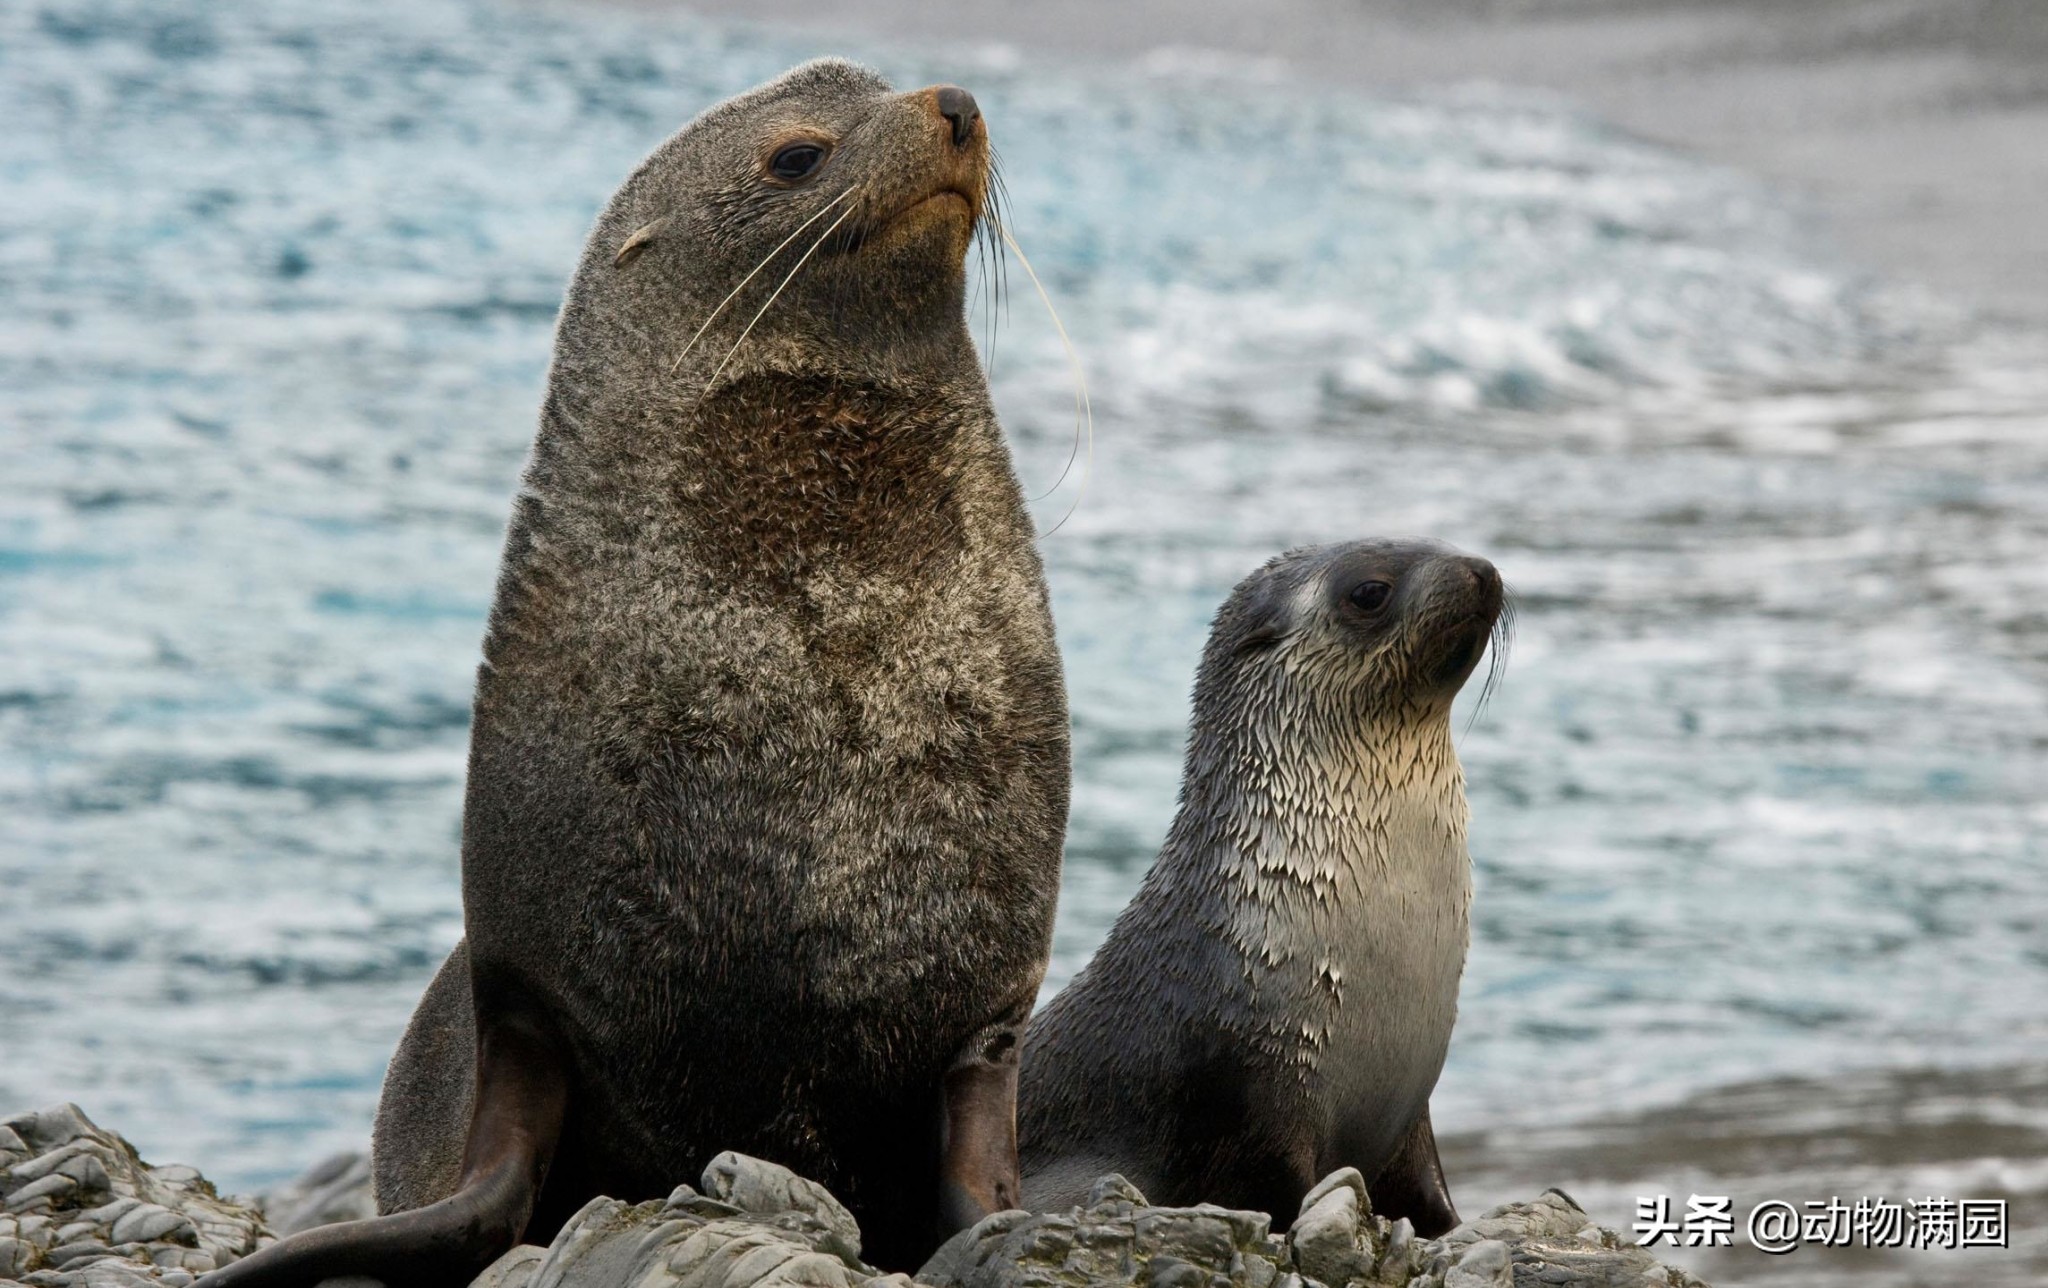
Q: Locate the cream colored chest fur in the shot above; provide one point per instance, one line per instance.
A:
(1356, 932)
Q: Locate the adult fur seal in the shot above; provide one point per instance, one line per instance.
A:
(768, 774)
(1276, 1001)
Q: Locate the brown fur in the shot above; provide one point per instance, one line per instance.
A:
(768, 775)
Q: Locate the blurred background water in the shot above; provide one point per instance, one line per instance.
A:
(1760, 797)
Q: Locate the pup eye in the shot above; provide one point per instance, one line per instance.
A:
(796, 160)
(1371, 595)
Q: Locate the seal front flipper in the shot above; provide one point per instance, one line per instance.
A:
(521, 1095)
(1412, 1184)
(423, 1112)
(978, 1171)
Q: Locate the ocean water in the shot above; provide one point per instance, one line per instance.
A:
(1760, 795)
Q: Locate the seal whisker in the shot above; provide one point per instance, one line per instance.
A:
(984, 295)
(1084, 416)
(995, 199)
(984, 286)
(999, 197)
(780, 287)
(991, 253)
(1500, 642)
(755, 272)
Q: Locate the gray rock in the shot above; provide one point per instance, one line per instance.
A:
(36, 1230)
(45, 1129)
(334, 1189)
(756, 1224)
(781, 1197)
(12, 1147)
(43, 1192)
(763, 1226)
(513, 1270)
(85, 1212)
(41, 1165)
(1336, 1242)
(90, 1173)
(109, 1273)
(1544, 1242)
(1485, 1264)
(109, 1213)
(16, 1255)
(66, 1253)
(1118, 1239)
(1331, 1239)
(147, 1221)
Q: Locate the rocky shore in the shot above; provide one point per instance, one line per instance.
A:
(80, 1209)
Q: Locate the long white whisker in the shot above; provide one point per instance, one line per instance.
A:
(780, 287)
(765, 261)
(1074, 447)
(1498, 643)
(1084, 415)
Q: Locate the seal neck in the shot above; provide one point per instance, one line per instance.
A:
(1322, 803)
(1291, 822)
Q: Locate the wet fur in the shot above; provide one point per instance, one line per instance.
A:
(768, 772)
(1277, 999)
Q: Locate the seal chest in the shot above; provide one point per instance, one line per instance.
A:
(1277, 1000)
(1392, 928)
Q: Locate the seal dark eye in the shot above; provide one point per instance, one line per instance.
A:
(797, 160)
(1371, 595)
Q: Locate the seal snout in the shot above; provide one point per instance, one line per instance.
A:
(1466, 595)
(1466, 589)
(1482, 580)
(958, 108)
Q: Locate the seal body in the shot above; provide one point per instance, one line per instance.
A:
(768, 822)
(768, 771)
(1277, 1000)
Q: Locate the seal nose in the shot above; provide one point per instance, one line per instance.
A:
(958, 106)
(1480, 571)
(1484, 581)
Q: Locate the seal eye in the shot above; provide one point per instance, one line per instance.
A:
(797, 160)
(1371, 595)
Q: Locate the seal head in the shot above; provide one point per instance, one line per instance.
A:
(1276, 1001)
(849, 205)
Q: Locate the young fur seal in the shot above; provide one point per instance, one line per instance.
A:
(768, 775)
(1276, 1001)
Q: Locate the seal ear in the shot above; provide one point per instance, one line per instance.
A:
(642, 238)
(1261, 615)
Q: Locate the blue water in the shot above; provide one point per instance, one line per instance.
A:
(1761, 793)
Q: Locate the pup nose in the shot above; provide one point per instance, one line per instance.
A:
(958, 106)
(1484, 580)
(1481, 572)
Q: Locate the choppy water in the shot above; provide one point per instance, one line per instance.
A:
(1761, 794)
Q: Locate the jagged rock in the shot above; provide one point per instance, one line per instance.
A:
(1116, 1239)
(1335, 1242)
(755, 1225)
(1550, 1241)
(1336, 1239)
(79, 1209)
